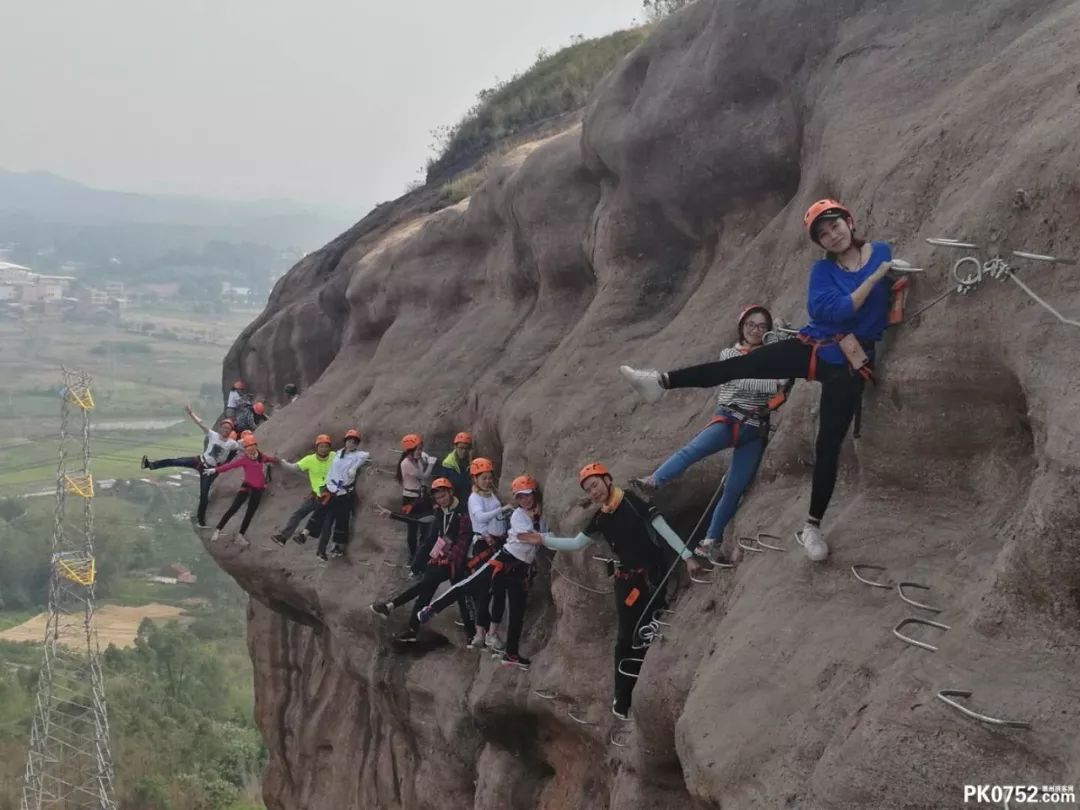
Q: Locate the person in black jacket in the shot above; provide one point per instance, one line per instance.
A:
(449, 536)
(455, 466)
(627, 522)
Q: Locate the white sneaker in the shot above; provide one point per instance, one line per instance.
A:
(243, 541)
(810, 539)
(493, 642)
(645, 381)
(478, 641)
(215, 536)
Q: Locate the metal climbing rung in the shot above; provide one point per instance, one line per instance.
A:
(630, 661)
(901, 266)
(545, 695)
(578, 720)
(707, 580)
(75, 566)
(900, 588)
(81, 484)
(946, 695)
(942, 241)
(616, 739)
(747, 547)
(855, 570)
(914, 641)
(1042, 257)
(603, 559)
(763, 544)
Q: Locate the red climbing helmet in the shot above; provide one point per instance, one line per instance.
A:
(249, 440)
(481, 465)
(352, 433)
(523, 485)
(238, 385)
(410, 441)
(589, 470)
(322, 438)
(824, 209)
(441, 483)
(259, 408)
(463, 438)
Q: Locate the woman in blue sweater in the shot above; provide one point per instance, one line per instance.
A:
(848, 303)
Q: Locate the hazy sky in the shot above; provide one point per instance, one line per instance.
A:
(326, 101)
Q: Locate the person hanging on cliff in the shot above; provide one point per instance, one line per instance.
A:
(628, 524)
(848, 303)
(253, 463)
(450, 533)
(414, 472)
(316, 466)
(219, 446)
(232, 401)
(489, 521)
(259, 414)
(740, 421)
(512, 564)
(455, 465)
(292, 393)
(338, 498)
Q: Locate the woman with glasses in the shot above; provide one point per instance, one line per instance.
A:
(848, 303)
(740, 422)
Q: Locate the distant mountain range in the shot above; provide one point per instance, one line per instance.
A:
(36, 198)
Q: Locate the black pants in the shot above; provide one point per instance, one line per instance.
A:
(309, 505)
(191, 463)
(423, 591)
(513, 576)
(253, 497)
(332, 519)
(841, 392)
(627, 619)
(417, 507)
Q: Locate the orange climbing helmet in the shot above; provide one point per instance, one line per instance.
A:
(463, 438)
(226, 421)
(322, 438)
(259, 408)
(523, 485)
(824, 209)
(441, 483)
(410, 441)
(238, 385)
(246, 433)
(232, 435)
(249, 440)
(589, 470)
(352, 433)
(481, 465)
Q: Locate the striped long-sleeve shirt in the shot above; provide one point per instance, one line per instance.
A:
(746, 396)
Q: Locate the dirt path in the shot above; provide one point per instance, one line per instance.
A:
(115, 624)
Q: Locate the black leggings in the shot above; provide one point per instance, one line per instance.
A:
(332, 518)
(841, 392)
(424, 589)
(252, 496)
(627, 618)
(512, 575)
(418, 507)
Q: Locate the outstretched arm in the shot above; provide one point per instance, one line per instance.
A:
(671, 537)
(194, 417)
(575, 543)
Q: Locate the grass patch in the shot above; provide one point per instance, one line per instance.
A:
(460, 187)
(556, 84)
(135, 592)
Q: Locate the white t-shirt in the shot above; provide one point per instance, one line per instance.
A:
(234, 399)
(521, 522)
(485, 514)
(343, 469)
(217, 448)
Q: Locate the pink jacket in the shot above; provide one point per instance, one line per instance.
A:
(254, 470)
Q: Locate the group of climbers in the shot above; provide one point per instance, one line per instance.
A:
(461, 533)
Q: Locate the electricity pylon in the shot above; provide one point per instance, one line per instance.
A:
(69, 763)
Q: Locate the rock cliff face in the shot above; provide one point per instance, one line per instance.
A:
(637, 237)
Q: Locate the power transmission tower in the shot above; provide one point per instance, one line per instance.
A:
(69, 763)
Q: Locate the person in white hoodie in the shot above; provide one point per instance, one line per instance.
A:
(489, 524)
(414, 473)
(513, 562)
(334, 514)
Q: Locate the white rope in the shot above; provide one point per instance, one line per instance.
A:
(555, 569)
(1041, 302)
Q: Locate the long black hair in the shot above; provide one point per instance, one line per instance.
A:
(397, 469)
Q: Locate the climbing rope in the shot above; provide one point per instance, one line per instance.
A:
(553, 569)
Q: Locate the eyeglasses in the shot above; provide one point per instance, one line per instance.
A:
(750, 326)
